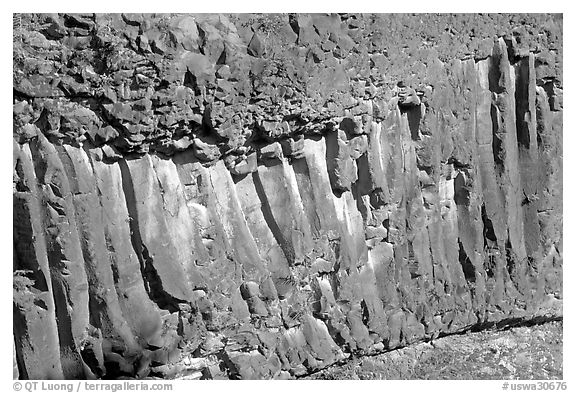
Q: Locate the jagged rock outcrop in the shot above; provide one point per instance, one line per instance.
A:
(255, 196)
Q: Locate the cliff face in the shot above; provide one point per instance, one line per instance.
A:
(243, 196)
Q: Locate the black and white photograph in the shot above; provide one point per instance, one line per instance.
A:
(286, 196)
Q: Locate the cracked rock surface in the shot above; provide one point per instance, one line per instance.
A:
(524, 353)
(257, 196)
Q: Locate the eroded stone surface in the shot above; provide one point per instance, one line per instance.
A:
(245, 196)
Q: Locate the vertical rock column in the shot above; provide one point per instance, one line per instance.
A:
(67, 269)
(163, 270)
(468, 196)
(269, 249)
(277, 187)
(549, 137)
(229, 209)
(105, 311)
(493, 218)
(221, 272)
(139, 311)
(35, 328)
(529, 164)
(502, 84)
(179, 223)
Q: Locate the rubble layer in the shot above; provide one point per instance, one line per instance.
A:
(253, 196)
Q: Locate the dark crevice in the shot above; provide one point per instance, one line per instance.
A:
(76, 22)
(467, 266)
(414, 115)
(151, 279)
(21, 96)
(365, 312)
(287, 248)
(41, 304)
(365, 177)
(113, 262)
(191, 82)
(20, 333)
(490, 242)
(332, 161)
(497, 148)
(495, 76)
(540, 125)
(452, 160)
(128, 188)
(509, 323)
(91, 360)
(412, 263)
(336, 336)
(163, 299)
(292, 20)
(114, 370)
(431, 257)
(379, 197)
(20, 182)
(510, 50)
(461, 190)
(39, 161)
(24, 246)
(358, 199)
(510, 260)
(522, 105)
(68, 349)
(489, 233)
(549, 89)
(228, 365)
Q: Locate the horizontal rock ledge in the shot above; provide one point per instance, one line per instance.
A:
(258, 197)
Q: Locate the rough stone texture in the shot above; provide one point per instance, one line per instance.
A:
(511, 353)
(252, 196)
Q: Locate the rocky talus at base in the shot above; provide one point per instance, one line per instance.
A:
(514, 353)
(249, 196)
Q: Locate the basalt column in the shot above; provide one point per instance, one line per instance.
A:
(262, 196)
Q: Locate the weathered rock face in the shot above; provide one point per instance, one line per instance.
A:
(244, 196)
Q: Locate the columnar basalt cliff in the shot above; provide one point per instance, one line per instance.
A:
(255, 196)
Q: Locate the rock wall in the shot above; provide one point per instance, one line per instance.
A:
(250, 196)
